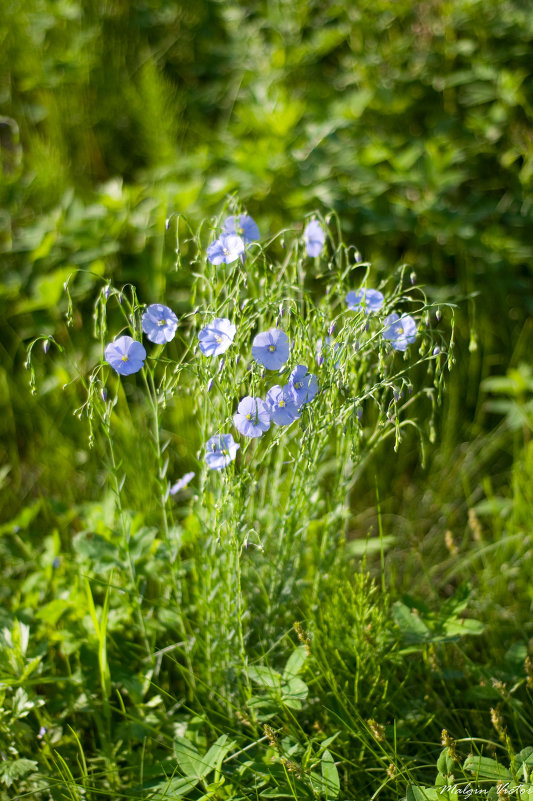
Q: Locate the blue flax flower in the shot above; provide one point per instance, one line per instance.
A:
(242, 225)
(282, 406)
(125, 355)
(159, 323)
(181, 483)
(220, 450)
(367, 300)
(400, 331)
(303, 385)
(271, 348)
(252, 417)
(314, 238)
(216, 337)
(226, 249)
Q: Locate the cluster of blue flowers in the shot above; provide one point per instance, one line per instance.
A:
(270, 349)
(241, 230)
(237, 232)
(254, 416)
(126, 355)
(282, 406)
(399, 331)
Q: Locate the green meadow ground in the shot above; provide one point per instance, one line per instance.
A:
(338, 614)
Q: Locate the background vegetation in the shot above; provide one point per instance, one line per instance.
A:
(413, 121)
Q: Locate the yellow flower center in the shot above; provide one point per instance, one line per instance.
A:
(125, 358)
(162, 322)
(272, 348)
(218, 339)
(298, 385)
(281, 404)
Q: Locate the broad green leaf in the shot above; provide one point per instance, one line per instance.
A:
(458, 602)
(52, 611)
(45, 246)
(445, 762)
(295, 663)
(47, 291)
(459, 628)
(410, 624)
(369, 546)
(215, 756)
(487, 768)
(330, 775)
(23, 519)
(174, 788)
(295, 689)
(190, 761)
(523, 764)
(415, 793)
(13, 769)
(265, 677)
(102, 553)
(141, 542)
(515, 657)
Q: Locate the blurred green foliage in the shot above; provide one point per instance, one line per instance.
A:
(413, 120)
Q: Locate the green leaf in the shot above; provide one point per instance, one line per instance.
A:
(458, 602)
(191, 763)
(410, 624)
(296, 688)
(292, 703)
(330, 775)
(445, 762)
(45, 246)
(486, 768)
(175, 788)
(265, 677)
(267, 706)
(415, 793)
(23, 519)
(14, 769)
(215, 756)
(141, 543)
(102, 553)
(52, 611)
(515, 657)
(295, 663)
(523, 764)
(459, 628)
(370, 546)
(47, 291)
